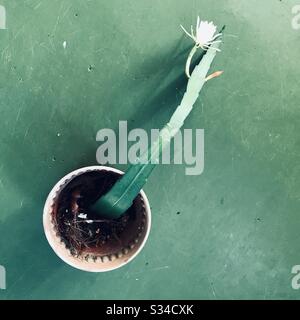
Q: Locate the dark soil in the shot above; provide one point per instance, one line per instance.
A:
(81, 229)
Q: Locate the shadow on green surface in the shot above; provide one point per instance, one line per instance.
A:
(165, 97)
(29, 162)
(29, 260)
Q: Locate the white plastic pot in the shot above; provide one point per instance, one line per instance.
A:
(111, 259)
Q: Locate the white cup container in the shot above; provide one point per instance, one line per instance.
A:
(107, 261)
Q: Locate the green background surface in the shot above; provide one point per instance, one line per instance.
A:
(237, 234)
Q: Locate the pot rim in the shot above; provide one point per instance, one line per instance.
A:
(53, 240)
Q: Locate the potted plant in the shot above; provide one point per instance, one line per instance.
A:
(98, 218)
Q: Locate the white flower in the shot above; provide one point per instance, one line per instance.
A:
(205, 34)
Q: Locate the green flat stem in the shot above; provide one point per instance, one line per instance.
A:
(120, 197)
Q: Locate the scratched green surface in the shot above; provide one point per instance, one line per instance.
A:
(238, 231)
